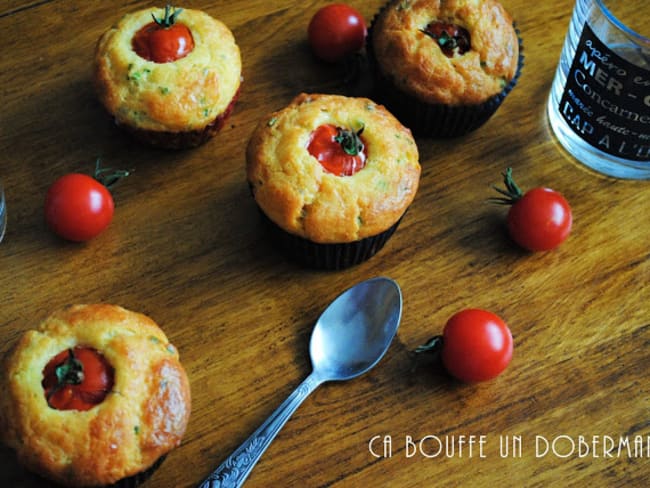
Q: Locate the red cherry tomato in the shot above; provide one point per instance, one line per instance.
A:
(336, 31)
(538, 220)
(77, 379)
(340, 151)
(78, 207)
(164, 40)
(451, 38)
(476, 345)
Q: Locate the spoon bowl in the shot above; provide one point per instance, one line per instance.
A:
(349, 338)
(354, 332)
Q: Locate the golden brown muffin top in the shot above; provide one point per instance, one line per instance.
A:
(296, 192)
(418, 61)
(141, 419)
(183, 95)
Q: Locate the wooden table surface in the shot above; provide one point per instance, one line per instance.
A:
(187, 248)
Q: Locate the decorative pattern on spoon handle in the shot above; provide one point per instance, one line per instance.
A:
(234, 470)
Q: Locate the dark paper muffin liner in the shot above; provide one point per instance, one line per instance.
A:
(185, 139)
(435, 120)
(138, 478)
(128, 482)
(327, 256)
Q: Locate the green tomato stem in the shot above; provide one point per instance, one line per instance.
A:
(109, 176)
(511, 194)
(170, 17)
(69, 372)
(350, 141)
(433, 345)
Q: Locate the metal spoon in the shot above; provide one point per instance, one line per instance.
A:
(349, 338)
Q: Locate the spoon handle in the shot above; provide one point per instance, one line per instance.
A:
(236, 468)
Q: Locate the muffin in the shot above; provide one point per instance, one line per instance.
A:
(334, 175)
(171, 93)
(443, 67)
(96, 395)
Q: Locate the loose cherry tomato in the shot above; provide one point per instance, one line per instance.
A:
(336, 31)
(78, 207)
(340, 151)
(164, 40)
(539, 219)
(476, 345)
(77, 379)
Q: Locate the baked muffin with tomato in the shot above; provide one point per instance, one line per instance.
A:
(169, 76)
(334, 175)
(444, 66)
(95, 396)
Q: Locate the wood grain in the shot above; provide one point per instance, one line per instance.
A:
(187, 248)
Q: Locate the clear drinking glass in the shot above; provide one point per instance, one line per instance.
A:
(599, 105)
(3, 212)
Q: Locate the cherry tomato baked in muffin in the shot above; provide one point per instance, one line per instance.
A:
(96, 395)
(334, 175)
(169, 76)
(444, 66)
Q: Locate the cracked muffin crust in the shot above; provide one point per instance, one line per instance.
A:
(454, 52)
(123, 434)
(444, 67)
(163, 101)
(298, 194)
